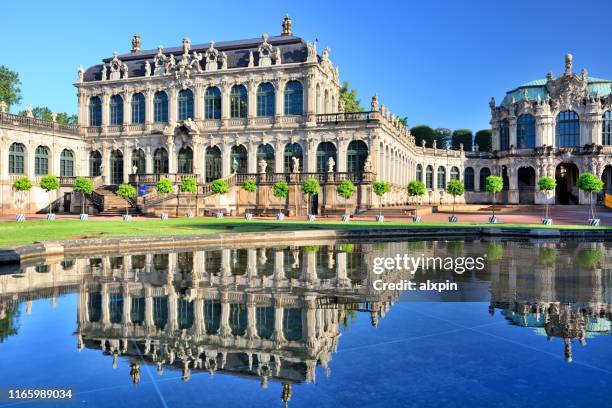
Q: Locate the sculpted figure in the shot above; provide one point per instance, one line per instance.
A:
(330, 164)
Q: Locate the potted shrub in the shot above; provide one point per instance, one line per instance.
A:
(22, 187)
(219, 187)
(494, 185)
(127, 192)
(546, 185)
(250, 186)
(416, 189)
(454, 188)
(380, 188)
(310, 187)
(83, 186)
(281, 191)
(188, 185)
(163, 187)
(49, 183)
(589, 183)
(346, 189)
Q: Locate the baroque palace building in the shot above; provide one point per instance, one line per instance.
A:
(269, 109)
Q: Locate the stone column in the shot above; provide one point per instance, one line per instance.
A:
(224, 327)
(225, 160)
(512, 127)
(105, 315)
(198, 103)
(252, 157)
(251, 330)
(225, 103)
(127, 107)
(149, 113)
(172, 107)
(149, 321)
(279, 267)
(311, 156)
(495, 134)
(252, 100)
(341, 275)
(341, 155)
(279, 311)
(198, 317)
(171, 155)
(311, 99)
(127, 305)
(279, 108)
(105, 109)
(127, 161)
(513, 193)
(148, 160)
(106, 164)
(279, 156)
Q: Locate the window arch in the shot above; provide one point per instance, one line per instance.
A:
(293, 150)
(525, 132)
(67, 163)
(504, 135)
(429, 177)
(212, 103)
(567, 130)
(116, 110)
(356, 156)
(606, 134)
(266, 152)
(41, 161)
(185, 104)
(484, 173)
(454, 173)
(95, 111)
(138, 108)
(95, 164)
(239, 159)
(468, 179)
(419, 173)
(160, 161)
(326, 102)
(238, 102)
(160, 107)
(319, 110)
(265, 99)
(185, 160)
(116, 167)
(138, 161)
(212, 163)
(17, 158)
(294, 98)
(325, 150)
(441, 178)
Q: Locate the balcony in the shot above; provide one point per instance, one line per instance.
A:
(348, 117)
(153, 178)
(24, 121)
(298, 178)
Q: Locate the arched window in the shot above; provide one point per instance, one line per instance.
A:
(185, 104)
(441, 178)
(265, 99)
(239, 159)
(17, 159)
(95, 111)
(185, 160)
(294, 98)
(568, 129)
(504, 135)
(525, 132)
(116, 110)
(326, 102)
(41, 161)
(212, 103)
(238, 102)
(138, 108)
(454, 173)
(212, 163)
(116, 167)
(606, 134)
(356, 156)
(138, 161)
(160, 107)
(429, 177)
(468, 179)
(419, 173)
(160, 161)
(95, 164)
(293, 150)
(319, 110)
(266, 152)
(325, 150)
(484, 173)
(67, 163)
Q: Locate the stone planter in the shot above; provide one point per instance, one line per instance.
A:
(280, 217)
(380, 218)
(452, 218)
(20, 217)
(50, 216)
(219, 215)
(493, 220)
(248, 216)
(416, 218)
(546, 221)
(346, 218)
(190, 214)
(164, 216)
(127, 217)
(311, 217)
(594, 222)
(84, 217)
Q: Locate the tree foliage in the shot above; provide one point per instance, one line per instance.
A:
(346, 189)
(443, 137)
(311, 186)
(22, 184)
(494, 184)
(349, 98)
(281, 190)
(484, 140)
(49, 183)
(249, 185)
(219, 186)
(416, 188)
(380, 188)
(423, 132)
(188, 185)
(126, 191)
(462, 136)
(83, 185)
(10, 92)
(455, 188)
(44, 113)
(547, 183)
(164, 186)
(589, 183)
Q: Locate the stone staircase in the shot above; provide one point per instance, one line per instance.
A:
(114, 206)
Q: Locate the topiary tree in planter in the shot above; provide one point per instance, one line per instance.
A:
(546, 185)
(22, 186)
(49, 183)
(250, 186)
(310, 187)
(281, 191)
(219, 187)
(455, 188)
(380, 188)
(589, 183)
(127, 192)
(346, 189)
(416, 189)
(188, 185)
(164, 187)
(83, 186)
(494, 185)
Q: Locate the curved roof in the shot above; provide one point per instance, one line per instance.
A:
(537, 87)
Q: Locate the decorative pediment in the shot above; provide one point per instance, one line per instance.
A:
(159, 62)
(568, 88)
(211, 56)
(118, 69)
(265, 52)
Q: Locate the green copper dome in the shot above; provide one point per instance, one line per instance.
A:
(535, 88)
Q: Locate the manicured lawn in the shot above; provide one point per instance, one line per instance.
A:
(13, 233)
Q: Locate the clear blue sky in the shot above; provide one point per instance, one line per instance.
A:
(437, 62)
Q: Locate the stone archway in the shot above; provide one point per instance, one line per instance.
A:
(566, 175)
(526, 180)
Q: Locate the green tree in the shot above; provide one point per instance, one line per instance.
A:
(416, 189)
(219, 186)
(404, 121)
(380, 188)
(310, 187)
(590, 183)
(22, 186)
(443, 137)
(547, 255)
(281, 190)
(589, 258)
(346, 189)
(127, 192)
(462, 136)
(44, 113)
(494, 185)
(423, 132)
(83, 186)
(349, 98)
(455, 188)
(163, 187)
(250, 186)
(9, 321)
(49, 183)
(10, 92)
(547, 184)
(188, 185)
(484, 140)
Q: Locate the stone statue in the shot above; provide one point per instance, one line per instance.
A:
(3, 107)
(223, 60)
(103, 73)
(435, 144)
(80, 74)
(287, 24)
(476, 147)
(312, 52)
(549, 76)
(134, 169)
(251, 59)
(191, 125)
(525, 94)
(277, 56)
(569, 62)
(29, 112)
(584, 74)
(492, 103)
(136, 43)
(160, 61)
(374, 104)
(330, 165)
(295, 168)
(53, 116)
(367, 166)
(124, 71)
(460, 146)
(147, 68)
(235, 165)
(262, 166)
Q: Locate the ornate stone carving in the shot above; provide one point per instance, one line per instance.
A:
(312, 52)
(265, 52)
(277, 56)
(568, 88)
(147, 69)
(103, 73)
(211, 56)
(287, 25)
(374, 103)
(3, 107)
(330, 165)
(295, 165)
(80, 74)
(159, 62)
(251, 60)
(367, 166)
(118, 69)
(29, 111)
(191, 126)
(136, 43)
(262, 166)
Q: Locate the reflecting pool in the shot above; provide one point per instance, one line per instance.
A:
(302, 326)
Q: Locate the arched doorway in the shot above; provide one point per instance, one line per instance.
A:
(138, 161)
(212, 163)
(526, 185)
(266, 152)
(239, 159)
(325, 150)
(95, 164)
(293, 150)
(356, 156)
(566, 175)
(116, 167)
(185, 160)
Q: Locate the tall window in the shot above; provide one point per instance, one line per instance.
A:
(525, 132)
(212, 163)
(160, 107)
(160, 161)
(138, 161)
(95, 111)
(419, 173)
(606, 134)
(293, 150)
(441, 178)
(185, 104)
(116, 110)
(468, 179)
(504, 136)
(294, 98)
(325, 150)
(238, 102)
(266, 152)
(429, 177)
(454, 173)
(212, 103)
(138, 108)
(17, 159)
(265, 99)
(319, 110)
(484, 173)
(568, 129)
(41, 161)
(356, 156)
(67, 163)
(185, 160)
(238, 159)
(95, 164)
